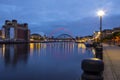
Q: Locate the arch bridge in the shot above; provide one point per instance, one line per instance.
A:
(64, 37)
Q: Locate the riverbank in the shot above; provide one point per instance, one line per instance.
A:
(111, 60)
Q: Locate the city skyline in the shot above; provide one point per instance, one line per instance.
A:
(76, 17)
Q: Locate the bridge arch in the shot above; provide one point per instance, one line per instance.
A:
(65, 37)
(60, 29)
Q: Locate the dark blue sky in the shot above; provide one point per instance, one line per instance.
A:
(53, 17)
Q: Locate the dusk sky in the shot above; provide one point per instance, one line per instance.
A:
(53, 17)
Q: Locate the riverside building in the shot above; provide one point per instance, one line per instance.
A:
(14, 31)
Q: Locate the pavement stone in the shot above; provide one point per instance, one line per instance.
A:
(111, 58)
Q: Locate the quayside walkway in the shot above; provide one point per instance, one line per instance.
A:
(111, 58)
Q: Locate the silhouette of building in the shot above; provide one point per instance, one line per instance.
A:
(107, 32)
(116, 29)
(20, 31)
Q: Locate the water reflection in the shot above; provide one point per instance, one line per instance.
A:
(81, 48)
(43, 61)
(51, 48)
(13, 54)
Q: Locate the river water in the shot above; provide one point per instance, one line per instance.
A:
(43, 61)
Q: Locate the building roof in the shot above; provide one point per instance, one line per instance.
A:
(116, 28)
(35, 34)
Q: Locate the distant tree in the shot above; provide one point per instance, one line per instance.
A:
(116, 34)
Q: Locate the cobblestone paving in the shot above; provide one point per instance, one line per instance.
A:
(112, 62)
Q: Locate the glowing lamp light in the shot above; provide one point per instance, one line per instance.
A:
(101, 13)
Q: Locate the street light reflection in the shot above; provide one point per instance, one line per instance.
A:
(81, 45)
(81, 48)
(3, 50)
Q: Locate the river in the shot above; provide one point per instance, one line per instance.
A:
(43, 61)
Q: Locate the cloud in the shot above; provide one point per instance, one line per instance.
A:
(9, 8)
(78, 16)
(112, 21)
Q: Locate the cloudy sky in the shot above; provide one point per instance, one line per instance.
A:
(53, 17)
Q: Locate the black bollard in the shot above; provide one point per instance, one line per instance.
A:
(88, 76)
(94, 65)
(99, 52)
(92, 69)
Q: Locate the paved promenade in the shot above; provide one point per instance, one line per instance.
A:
(112, 62)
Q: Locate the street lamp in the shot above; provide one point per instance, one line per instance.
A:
(101, 13)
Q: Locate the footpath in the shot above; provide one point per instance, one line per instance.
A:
(111, 58)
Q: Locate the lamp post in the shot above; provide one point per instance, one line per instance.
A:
(101, 14)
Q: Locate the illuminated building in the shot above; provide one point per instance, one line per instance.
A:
(96, 35)
(35, 37)
(20, 31)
